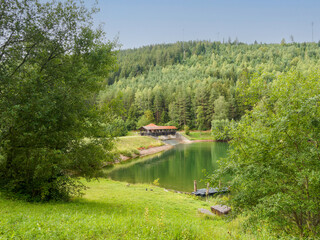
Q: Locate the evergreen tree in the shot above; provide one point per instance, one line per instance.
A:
(221, 109)
(200, 118)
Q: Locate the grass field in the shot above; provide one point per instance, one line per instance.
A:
(198, 135)
(130, 145)
(113, 210)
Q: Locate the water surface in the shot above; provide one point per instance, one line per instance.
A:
(175, 168)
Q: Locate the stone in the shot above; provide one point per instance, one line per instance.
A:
(205, 212)
(220, 209)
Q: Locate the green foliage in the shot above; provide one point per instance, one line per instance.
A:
(173, 85)
(186, 130)
(119, 127)
(250, 91)
(126, 153)
(200, 118)
(198, 135)
(112, 111)
(52, 64)
(145, 119)
(221, 129)
(221, 109)
(136, 152)
(156, 182)
(131, 125)
(149, 115)
(274, 157)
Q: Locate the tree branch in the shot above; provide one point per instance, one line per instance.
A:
(24, 59)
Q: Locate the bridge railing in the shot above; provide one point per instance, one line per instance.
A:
(155, 134)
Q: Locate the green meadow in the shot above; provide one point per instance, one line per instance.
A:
(116, 210)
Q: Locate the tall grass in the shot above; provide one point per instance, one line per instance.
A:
(114, 210)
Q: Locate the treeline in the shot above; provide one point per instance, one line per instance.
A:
(134, 62)
(193, 83)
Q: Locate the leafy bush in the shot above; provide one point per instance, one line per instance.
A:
(131, 125)
(221, 129)
(136, 152)
(127, 153)
(156, 182)
(118, 127)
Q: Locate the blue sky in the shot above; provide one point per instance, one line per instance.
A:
(144, 22)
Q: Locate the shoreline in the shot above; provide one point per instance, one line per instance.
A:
(208, 140)
(154, 150)
(204, 140)
(143, 153)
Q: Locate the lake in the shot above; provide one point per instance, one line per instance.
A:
(176, 168)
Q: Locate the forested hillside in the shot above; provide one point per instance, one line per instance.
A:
(193, 83)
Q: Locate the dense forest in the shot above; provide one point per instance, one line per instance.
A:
(197, 82)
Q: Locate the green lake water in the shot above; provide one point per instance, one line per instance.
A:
(176, 168)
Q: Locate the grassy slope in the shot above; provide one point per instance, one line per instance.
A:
(130, 144)
(197, 135)
(112, 210)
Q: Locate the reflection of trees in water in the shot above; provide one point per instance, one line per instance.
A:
(218, 151)
(176, 168)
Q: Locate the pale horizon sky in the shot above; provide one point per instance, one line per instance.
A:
(144, 22)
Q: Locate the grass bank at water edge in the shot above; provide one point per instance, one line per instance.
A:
(130, 145)
(198, 135)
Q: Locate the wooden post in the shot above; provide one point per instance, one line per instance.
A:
(195, 185)
(219, 184)
(207, 192)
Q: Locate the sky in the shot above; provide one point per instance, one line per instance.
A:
(139, 23)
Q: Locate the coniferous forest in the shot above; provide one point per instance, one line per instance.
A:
(197, 82)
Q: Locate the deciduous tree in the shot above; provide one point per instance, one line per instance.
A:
(52, 64)
(275, 157)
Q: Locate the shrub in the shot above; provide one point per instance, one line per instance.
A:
(126, 153)
(221, 129)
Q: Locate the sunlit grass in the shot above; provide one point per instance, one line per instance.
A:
(129, 145)
(116, 210)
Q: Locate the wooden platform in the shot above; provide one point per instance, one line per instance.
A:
(202, 192)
